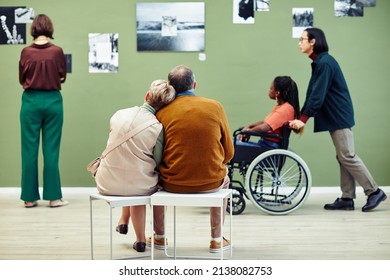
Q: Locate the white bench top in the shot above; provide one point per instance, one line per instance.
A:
(211, 199)
(119, 201)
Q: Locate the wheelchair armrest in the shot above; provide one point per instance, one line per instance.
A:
(237, 131)
(255, 133)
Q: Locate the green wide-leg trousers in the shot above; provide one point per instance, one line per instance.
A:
(41, 113)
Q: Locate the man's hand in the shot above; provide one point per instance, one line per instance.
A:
(297, 124)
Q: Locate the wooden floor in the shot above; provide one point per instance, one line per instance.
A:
(309, 233)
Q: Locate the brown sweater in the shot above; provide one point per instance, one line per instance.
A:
(198, 144)
(42, 67)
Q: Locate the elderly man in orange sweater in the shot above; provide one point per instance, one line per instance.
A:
(198, 145)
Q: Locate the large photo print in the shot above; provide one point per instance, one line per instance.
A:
(171, 27)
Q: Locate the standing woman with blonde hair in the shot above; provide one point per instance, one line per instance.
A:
(42, 70)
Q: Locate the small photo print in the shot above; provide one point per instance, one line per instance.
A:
(169, 26)
(367, 3)
(302, 18)
(262, 5)
(68, 58)
(24, 15)
(103, 52)
(350, 8)
(244, 11)
(12, 32)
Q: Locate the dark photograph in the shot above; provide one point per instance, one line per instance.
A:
(244, 11)
(11, 32)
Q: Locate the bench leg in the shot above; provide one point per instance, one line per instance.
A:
(91, 218)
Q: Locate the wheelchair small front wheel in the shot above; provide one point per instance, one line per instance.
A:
(278, 181)
(238, 204)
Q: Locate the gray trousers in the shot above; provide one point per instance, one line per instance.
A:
(352, 168)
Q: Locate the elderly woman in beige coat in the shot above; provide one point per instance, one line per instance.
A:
(131, 168)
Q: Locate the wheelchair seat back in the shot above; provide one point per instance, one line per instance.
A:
(244, 155)
(286, 131)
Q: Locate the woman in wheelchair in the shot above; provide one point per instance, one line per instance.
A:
(284, 90)
(275, 179)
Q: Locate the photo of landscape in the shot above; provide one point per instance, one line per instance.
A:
(171, 26)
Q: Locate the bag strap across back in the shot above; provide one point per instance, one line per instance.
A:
(127, 136)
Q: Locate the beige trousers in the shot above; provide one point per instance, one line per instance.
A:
(352, 168)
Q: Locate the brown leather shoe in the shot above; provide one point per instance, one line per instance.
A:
(159, 243)
(215, 247)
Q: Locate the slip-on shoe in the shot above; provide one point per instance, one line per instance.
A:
(122, 229)
(340, 204)
(33, 204)
(59, 203)
(374, 199)
(139, 246)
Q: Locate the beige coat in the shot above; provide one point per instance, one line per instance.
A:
(130, 168)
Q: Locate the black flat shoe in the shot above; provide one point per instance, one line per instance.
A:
(374, 199)
(340, 204)
(122, 229)
(139, 246)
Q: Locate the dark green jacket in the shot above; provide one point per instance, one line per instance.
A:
(327, 97)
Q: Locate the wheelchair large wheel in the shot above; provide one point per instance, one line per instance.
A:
(278, 181)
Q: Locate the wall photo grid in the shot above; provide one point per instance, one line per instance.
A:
(167, 27)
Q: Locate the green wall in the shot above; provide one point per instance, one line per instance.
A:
(241, 62)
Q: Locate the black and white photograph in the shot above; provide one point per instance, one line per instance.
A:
(169, 26)
(103, 53)
(24, 15)
(244, 11)
(367, 3)
(176, 26)
(302, 18)
(11, 32)
(262, 5)
(351, 8)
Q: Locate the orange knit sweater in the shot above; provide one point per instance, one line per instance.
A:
(198, 144)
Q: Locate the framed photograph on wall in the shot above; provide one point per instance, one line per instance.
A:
(244, 11)
(68, 58)
(348, 8)
(103, 53)
(24, 15)
(173, 26)
(302, 18)
(12, 32)
(262, 5)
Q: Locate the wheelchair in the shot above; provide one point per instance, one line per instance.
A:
(277, 181)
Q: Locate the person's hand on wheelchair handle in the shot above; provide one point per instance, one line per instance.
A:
(297, 124)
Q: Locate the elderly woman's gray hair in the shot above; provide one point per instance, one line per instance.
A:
(160, 94)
